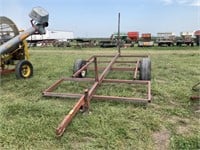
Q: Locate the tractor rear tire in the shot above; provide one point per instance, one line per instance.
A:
(145, 69)
(78, 64)
(24, 69)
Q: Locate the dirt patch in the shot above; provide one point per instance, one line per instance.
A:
(177, 120)
(184, 126)
(84, 142)
(155, 106)
(195, 106)
(183, 130)
(161, 140)
(160, 81)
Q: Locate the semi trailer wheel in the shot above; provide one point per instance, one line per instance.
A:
(145, 69)
(24, 69)
(78, 64)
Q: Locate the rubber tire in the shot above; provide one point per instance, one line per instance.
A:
(145, 69)
(78, 64)
(19, 68)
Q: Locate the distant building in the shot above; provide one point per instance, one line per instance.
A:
(53, 35)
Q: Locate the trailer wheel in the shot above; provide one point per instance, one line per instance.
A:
(78, 64)
(24, 69)
(145, 69)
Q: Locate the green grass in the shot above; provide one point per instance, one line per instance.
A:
(28, 120)
(124, 49)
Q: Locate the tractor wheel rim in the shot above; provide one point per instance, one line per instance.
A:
(83, 73)
(26, 71)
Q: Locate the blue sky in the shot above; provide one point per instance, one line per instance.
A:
(98, 18)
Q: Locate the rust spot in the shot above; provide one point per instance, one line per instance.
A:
(23, 36)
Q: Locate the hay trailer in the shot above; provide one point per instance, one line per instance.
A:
(140, 75)
(13, 46)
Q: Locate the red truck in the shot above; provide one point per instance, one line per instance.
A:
(133, 36)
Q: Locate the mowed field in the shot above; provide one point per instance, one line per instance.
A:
(170, 121)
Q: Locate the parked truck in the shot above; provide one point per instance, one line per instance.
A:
(125, 41)
(185, 39)
(145, 40)
(197, 37)
(134, 37)
(165, 39)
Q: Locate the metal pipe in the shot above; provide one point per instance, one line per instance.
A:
(195, 98)
(62, 95)
(118, 61)
(122, 56)
(79, 79)
(96, 69)
(118, 44)
(125, 81)
(116, 98)
(61, 128)
(10, 45)
(114, 69)
(52, 87)
(136, 70)
(149, 91)
(107, 69)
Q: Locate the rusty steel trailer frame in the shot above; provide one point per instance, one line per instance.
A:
(89, 94)
(6, 71)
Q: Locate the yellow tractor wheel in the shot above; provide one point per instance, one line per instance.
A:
(24, 69)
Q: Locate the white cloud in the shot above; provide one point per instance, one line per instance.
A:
(167, 2)
(15, 10)
(182, 2)
(195, 3)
